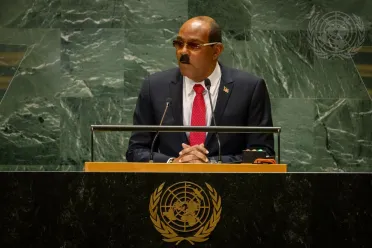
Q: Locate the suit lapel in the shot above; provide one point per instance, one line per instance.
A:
(176, 93)
(224, 92)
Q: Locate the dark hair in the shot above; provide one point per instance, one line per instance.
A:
(215, 32)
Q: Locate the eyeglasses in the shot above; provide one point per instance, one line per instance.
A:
(179, 44)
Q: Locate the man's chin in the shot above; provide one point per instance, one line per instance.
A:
(185, 69)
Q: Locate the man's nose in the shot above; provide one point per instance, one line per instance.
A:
(184, 49)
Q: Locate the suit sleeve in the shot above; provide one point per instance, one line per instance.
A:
(259, 114)
(140, 142)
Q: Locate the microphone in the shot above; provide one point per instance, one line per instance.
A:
(169, 102)
(207, 83)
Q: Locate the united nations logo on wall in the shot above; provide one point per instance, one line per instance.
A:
(335, 34)
(185, 212)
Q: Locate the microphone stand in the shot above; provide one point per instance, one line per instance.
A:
(208, 85)
(169, 101)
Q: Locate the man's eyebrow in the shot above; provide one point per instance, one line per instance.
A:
(197, 40)
(192, 39)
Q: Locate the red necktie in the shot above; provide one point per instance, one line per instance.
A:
(198, 116)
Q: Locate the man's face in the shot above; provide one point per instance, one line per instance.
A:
(201, 60)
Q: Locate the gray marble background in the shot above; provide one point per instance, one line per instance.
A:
(86, 60)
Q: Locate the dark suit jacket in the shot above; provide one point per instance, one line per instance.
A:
(247, 103)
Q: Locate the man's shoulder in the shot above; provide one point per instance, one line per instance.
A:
(242, 76)
(163, 76)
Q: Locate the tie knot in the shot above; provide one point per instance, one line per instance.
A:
(199, 89)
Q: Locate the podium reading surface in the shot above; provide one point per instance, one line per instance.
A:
(182, 167)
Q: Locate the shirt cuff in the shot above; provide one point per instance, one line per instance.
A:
(170, 160)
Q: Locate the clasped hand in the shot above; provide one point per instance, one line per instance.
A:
(192, 154)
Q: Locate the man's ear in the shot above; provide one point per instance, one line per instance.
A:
(218, 50)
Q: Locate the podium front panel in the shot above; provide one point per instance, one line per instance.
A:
(185, 209)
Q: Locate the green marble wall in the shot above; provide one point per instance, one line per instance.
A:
(85, 61)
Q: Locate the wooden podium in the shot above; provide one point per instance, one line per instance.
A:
(183, 168)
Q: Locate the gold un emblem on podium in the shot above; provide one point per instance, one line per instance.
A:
(185, 212)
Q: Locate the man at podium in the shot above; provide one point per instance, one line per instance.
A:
(237, 98)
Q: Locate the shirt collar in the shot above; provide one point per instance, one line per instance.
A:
(214, 77)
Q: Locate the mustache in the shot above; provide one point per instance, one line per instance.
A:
(185, 59)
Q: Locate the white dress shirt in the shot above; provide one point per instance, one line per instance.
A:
(189, 95)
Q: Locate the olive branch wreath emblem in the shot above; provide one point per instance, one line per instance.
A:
(324, 49)
(169, 234)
